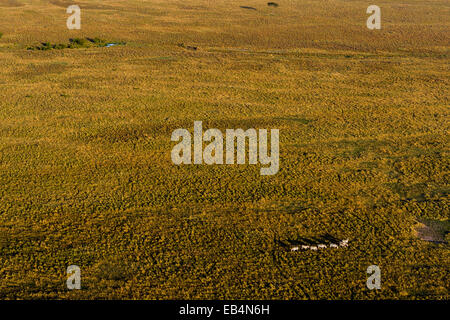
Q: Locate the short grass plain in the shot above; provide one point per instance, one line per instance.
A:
(86, 176)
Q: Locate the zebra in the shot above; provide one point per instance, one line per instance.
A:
(342, 243)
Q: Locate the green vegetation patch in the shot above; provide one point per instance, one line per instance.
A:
(76, 43)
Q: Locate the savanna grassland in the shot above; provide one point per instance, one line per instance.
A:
(86, 176)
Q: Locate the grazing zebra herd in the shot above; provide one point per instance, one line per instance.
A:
(343, 243)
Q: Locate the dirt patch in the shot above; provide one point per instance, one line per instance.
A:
(433, 230)
(11, 3)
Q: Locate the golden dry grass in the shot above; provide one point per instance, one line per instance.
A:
(85, 170)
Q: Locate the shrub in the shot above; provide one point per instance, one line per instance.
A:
(78, 42)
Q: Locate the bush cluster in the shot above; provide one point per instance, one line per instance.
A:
(75, 43)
